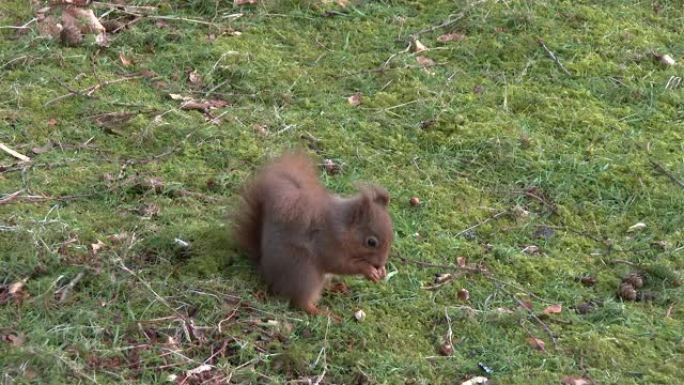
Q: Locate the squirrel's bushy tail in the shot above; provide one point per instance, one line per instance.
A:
(248, 222)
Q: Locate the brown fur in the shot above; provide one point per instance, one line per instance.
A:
(297, 232)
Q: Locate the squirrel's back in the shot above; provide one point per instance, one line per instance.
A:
(286, 190)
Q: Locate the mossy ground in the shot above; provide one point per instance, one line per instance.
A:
(492, 127)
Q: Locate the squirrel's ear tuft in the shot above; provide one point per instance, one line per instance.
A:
(359, 209)
(376, 194)
(381, 195)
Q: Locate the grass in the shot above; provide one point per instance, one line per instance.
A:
(494, 127)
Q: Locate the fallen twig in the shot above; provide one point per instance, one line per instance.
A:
(64, 291)
(91, 90)
(491, 218)
(667, 172)
(534, 317)
(554, 58)
(10, 197)
(451, 20)
(15, 154)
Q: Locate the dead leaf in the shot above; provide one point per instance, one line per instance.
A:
(96, 247)
(417, 46)
(446, 349)
(124, 60)
(463, 295)
(531, 249)
(425, 61)
(16, 287)
(260, 129)
(199, 369)
(14, 339)
(553, 309)
(243, 2)
(461, 261)
(441, 278)
(636, 227)
(665, 59)
(477, 381)
(536, 343)
(52, 122)
(355, 99)
(574, 380)
(331, 167)
(195, 78)
(179, 97)
(447, 37)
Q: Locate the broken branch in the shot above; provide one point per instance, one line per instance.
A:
(554, 58)
(15, 154)
(667, 173)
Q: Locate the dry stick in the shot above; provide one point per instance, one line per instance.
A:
(91, 90)
(667, 172)
(493, 217)
(64, 291)
(450, 332)
(15, 154)
(10, 197)
(534, 316)
(554, 57)
(451, 20)
(149, 287)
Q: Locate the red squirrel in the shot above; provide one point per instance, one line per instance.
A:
(298, 233)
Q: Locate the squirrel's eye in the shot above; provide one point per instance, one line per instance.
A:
(372, 242)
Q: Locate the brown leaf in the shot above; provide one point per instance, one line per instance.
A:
(553, 309)
(461, 261)
(447, 37)
(124, 60)
(574, 380)
(463, 295)
(260, 129)
(536, 343)
(425, 61)
(331, 167)
(195, 78)
(355, 99)
(531, 250)
(417, 46)
(14, 339)
(446, 349)
(96, 247)
(16, 287)
(665, 59)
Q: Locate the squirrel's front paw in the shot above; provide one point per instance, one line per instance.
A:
(372, 273)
